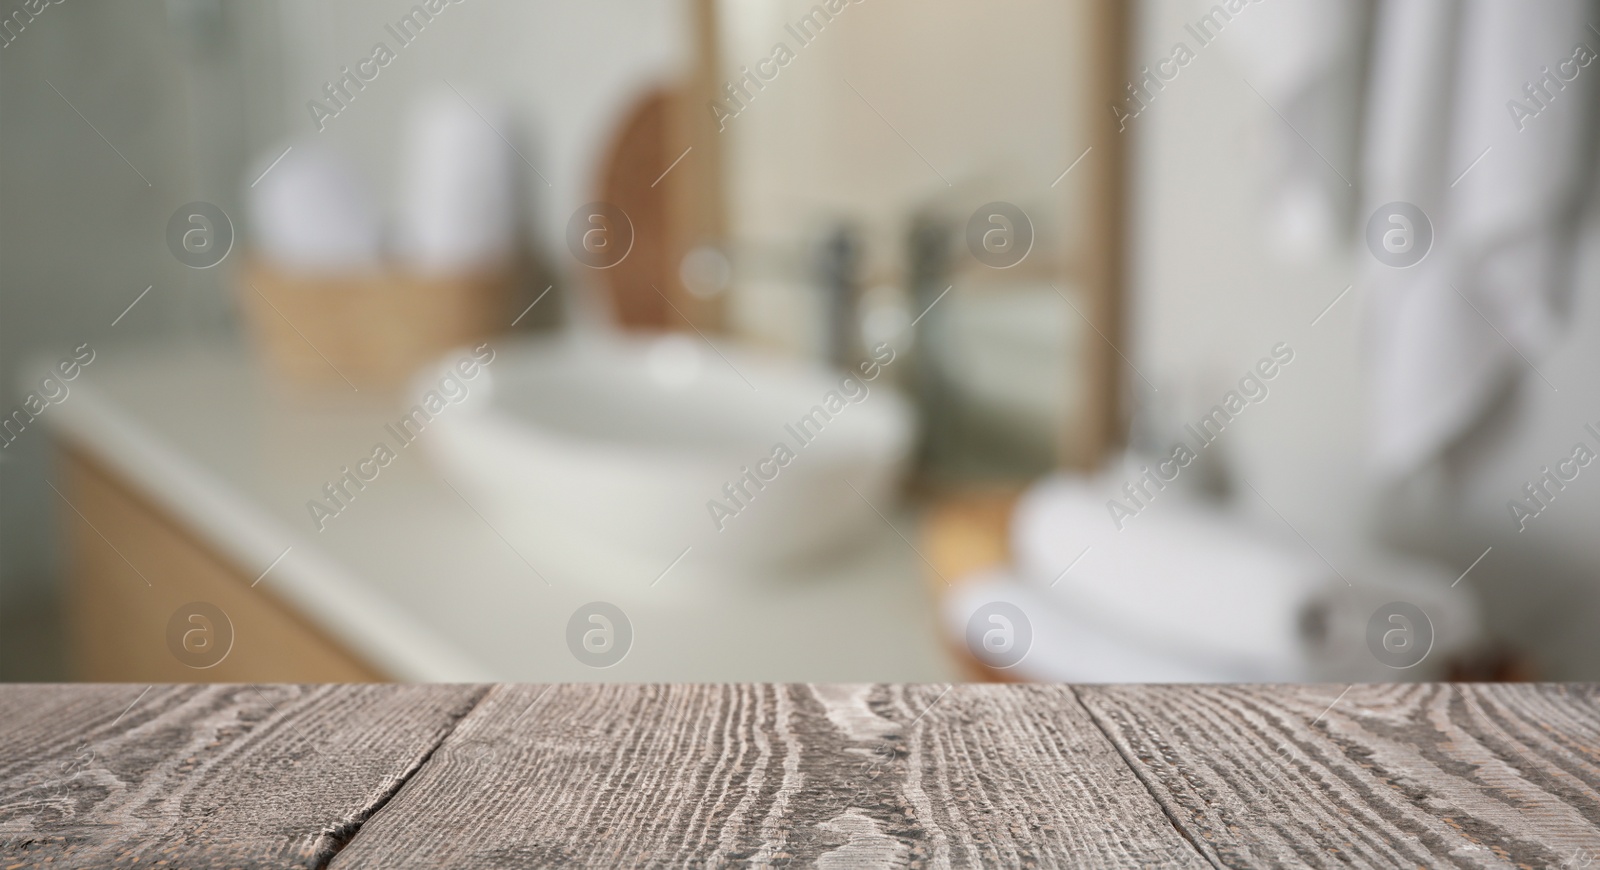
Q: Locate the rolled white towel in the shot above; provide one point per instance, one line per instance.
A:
(310, 212)
(1187, 581)
(458, 185)
(1065, 648)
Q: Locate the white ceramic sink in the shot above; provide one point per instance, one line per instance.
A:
(620, 443)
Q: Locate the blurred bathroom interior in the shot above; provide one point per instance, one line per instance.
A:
(817, 340)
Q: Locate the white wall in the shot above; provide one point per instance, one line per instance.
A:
(1211, 294)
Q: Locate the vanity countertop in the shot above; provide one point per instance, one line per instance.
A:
(411, 578)
(825, 775)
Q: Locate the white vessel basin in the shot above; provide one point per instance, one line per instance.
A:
(623, 443)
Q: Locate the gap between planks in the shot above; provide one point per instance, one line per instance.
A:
(339, 837)
(1166, 811)
(477, 708)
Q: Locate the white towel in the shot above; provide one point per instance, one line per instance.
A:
(311, 212)
(1303, 58)
(458, 185)
(1183, 582)
(1501, 191)
(1075, 650)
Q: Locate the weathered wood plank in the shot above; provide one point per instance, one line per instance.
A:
(206, 776)
(406, 776)
(622, 776)
(1419, 775)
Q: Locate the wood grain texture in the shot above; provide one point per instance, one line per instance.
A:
(831, 776)
(1413, 775)
(392, 776)
(206, 776)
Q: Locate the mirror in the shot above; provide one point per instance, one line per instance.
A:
(974, 188)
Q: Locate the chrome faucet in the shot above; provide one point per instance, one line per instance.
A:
(838, 272)
(928, 275)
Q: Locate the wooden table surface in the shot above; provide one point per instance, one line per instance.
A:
(509, 775)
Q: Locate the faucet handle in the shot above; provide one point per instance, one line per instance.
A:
(840, 256)
(928, 250)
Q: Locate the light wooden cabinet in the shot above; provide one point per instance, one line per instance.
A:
(130, 567)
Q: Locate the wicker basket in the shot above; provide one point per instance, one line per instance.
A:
(367, 331)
